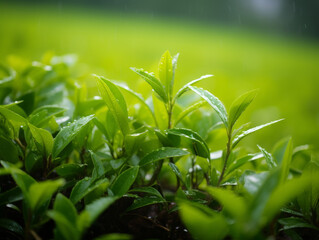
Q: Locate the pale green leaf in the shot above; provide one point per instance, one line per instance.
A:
(239, 137)
(115, 102)
(214, 102)
(153, 82)
(68, 133)
(239, 106)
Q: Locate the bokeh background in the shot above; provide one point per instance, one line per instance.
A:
(269, 45)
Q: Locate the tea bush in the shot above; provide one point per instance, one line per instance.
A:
(122, 165)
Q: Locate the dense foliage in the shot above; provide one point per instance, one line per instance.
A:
(119, 166)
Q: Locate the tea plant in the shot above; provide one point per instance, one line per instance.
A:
(79, 167)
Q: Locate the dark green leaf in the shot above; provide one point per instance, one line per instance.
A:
(145, 201)
(162, 153)
(11, 225)
(198, 145)
(294, 222)
(124, 181)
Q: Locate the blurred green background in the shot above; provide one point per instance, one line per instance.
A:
(246, 46)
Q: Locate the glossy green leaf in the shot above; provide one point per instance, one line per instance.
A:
(203, 225)
(198, 144)
(70, 169)
(9, 151)
(162, 153)
(98, 170)
(149, 190)
(157, 86)
(294, 222)
(84, 187)
(115, 102)
(239, 137)
(43, 114)
(271, 162)
(239, 106)
(68, 133)
(185, 88)
(11, 226)
(165, 72)
(214, 102)
(124, 181)
(241, 161)
(178, 174)
(43, 139)
(145, 201)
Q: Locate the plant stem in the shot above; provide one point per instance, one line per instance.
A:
(228, 151)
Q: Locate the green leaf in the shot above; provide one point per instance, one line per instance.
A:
(42, 115)
(124, 181)
(23, 180)
(145, 201)
(286, 159)
(92, 211)
(188, 110)
(271, 162)
(157, 86)
(84, 187)
(67, 229)
(140, 98)
(114, 236)
(115, 102)
(165, 70)
(239, 106)
(285, 193)
(68, 133)
(178, 174)
(232, 203)
(239, 137)
(198, 145)
(294, 222)
(203, 225)
(69, 169)
(98, 170)
(241, 161)
(162, 153)
(11, 225)
(42, 192)
(9, 151)
(185, 88)
(214, 102)
(10, 196)
(64, 206)
(149, 190)
(43, 139)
